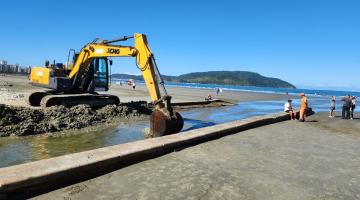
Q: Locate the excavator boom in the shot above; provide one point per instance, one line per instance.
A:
(144, 59)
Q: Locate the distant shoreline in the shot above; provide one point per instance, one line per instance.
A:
(233, 78)
(254, 89)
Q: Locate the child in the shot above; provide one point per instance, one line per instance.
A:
(332, 106)
(208, 98)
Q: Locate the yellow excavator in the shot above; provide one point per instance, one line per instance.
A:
(77, 81)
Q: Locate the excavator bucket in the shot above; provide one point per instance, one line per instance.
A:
(164, 120)
(163, 124)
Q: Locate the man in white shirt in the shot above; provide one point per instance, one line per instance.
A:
(288, 108)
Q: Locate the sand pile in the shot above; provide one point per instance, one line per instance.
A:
(27, 121)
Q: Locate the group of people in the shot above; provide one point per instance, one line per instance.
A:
(131, 82)
(218, 91)
(303, 108)
(348, 108)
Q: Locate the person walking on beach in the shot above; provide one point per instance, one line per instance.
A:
(217, 91)
(303, 107)
(332, 106)
(288, 108)
(352, 108)
(346, 107)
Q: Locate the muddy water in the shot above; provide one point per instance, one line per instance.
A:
(15, 150)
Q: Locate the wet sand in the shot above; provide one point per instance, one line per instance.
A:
(318, 159)
(179, 94)
(17, 93)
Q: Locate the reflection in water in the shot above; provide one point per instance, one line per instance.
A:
(191, 124)
(24, 149)
(41, 147)
(38, 148)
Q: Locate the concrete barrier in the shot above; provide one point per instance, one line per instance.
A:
(31, 179)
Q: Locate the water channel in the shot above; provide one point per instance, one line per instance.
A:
(16, 150)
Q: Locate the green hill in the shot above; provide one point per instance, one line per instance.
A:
(239, 78)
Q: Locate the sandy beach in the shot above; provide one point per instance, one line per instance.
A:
(15, 89)
(317, 159)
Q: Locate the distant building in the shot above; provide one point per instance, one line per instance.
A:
(13, 69)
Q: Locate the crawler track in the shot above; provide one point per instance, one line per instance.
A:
(47, 99)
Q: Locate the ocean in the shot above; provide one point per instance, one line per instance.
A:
(319, 100)
(309, 92)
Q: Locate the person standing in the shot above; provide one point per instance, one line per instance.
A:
(303, 107)
(353, 105)
(217, 91)
(346, 107)
(332, 106)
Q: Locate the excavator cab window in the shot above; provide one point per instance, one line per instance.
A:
(100, 74)
(71, 59)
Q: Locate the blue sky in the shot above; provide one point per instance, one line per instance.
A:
(310, 43)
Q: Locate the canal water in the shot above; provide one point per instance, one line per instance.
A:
(16, 150)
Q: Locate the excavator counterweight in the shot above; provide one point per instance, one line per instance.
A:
(88, 72)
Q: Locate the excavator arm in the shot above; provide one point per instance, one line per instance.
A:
(144, 59)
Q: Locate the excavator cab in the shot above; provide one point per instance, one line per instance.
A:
(97, 76)
(101, 74)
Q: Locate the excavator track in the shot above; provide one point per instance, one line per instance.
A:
(36, 97)
(68, 100)
(47, 99)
